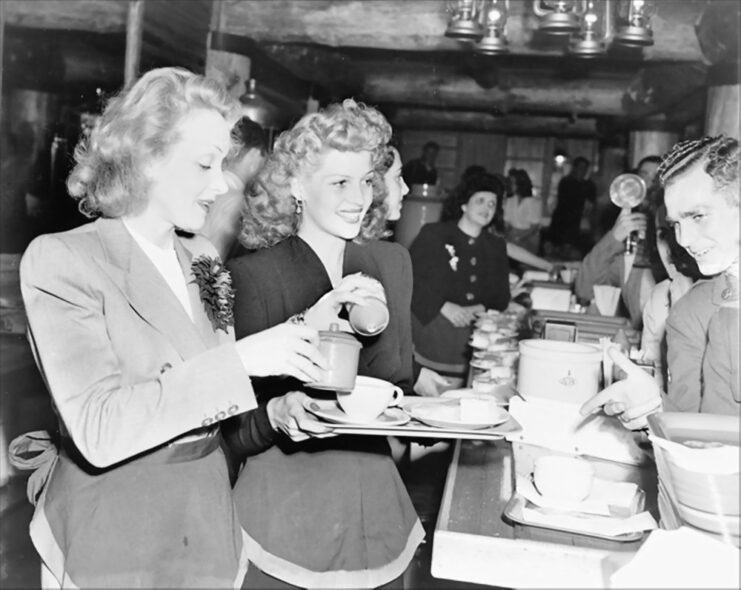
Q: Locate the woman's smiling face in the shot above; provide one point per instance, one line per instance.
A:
(337, 193)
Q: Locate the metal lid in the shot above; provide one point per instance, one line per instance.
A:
(335, 335)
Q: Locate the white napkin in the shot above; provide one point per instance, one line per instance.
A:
(606, 299)
(604, 494)
(682, 558)
(600, 525)
(552, 299)
(717, 460)
(559, 426)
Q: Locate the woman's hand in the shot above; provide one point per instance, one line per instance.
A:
(627, 223)
(430, 384)
(458, 315)
(631, 399)
(285, 349)
(355, 288)
(288, 415)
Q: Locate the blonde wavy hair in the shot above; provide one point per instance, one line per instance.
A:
(138, 125)
(269, 214)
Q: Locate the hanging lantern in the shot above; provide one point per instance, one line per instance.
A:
(588, 42)
(559, 17)
(494, 41)
(464, 23)
(635, 23)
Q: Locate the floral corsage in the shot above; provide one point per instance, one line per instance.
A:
(215, 288)
(453, 262)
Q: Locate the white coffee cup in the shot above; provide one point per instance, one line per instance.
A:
(369, 398)
(568, 479)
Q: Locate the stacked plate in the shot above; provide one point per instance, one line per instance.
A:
(697, 456)
(495, 352)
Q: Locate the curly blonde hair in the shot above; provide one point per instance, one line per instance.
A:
(136, 126)
(270, 215)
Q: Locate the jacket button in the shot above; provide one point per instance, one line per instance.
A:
(207, 422)
(165, 367)
(473, 278)
(469, 296)
(726, 293)
(220, 416)
(232, 409)
(473, 261)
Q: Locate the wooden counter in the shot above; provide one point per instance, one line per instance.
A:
(473, 543)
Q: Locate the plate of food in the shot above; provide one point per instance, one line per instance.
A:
(472, 413)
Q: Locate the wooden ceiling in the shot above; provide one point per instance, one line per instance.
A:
(394, 54)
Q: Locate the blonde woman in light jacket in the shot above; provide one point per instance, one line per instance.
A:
(131, 325)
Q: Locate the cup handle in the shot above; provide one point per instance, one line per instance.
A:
(397, 397)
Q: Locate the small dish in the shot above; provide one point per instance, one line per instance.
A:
(329, 411)
(446, 415)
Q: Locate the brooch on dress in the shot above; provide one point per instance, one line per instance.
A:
(453, 262)
(215, 289)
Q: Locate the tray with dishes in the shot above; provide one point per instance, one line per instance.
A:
(464, 416)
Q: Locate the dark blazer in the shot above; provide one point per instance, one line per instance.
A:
(275, 283)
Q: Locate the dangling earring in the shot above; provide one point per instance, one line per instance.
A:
(299, 205)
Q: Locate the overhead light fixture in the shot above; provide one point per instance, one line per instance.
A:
(494, 41)
(559, 17)
(634, 27)
(588, 42)
(464, 23)
(257, 108)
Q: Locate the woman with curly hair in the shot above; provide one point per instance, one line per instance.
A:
(326, 513)
(459, 269)
(131, 325)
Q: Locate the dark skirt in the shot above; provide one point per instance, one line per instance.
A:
(442, 347)
(329, 513)
(163, 520)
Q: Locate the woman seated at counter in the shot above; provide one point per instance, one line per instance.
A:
(701, 181)
(460, 269)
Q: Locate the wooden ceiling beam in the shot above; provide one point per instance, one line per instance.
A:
(420, 118)
(81, 15)
(419, 25)
(448, 89)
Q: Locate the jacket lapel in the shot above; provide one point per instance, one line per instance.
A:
(145, 289)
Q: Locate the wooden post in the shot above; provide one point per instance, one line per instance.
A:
(649, 143)
(134, 28)
(721, 112)
(2, 44)
(231, 69)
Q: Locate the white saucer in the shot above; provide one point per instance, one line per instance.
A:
(469, 393)
(329, 410)
(447, 415)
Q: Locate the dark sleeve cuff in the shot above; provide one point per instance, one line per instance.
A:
(250, 433)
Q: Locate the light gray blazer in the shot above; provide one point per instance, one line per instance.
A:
(127, 368)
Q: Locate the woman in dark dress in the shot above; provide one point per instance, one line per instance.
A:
(460, 269)
(329, 513)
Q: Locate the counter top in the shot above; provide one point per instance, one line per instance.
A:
(473, 543)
